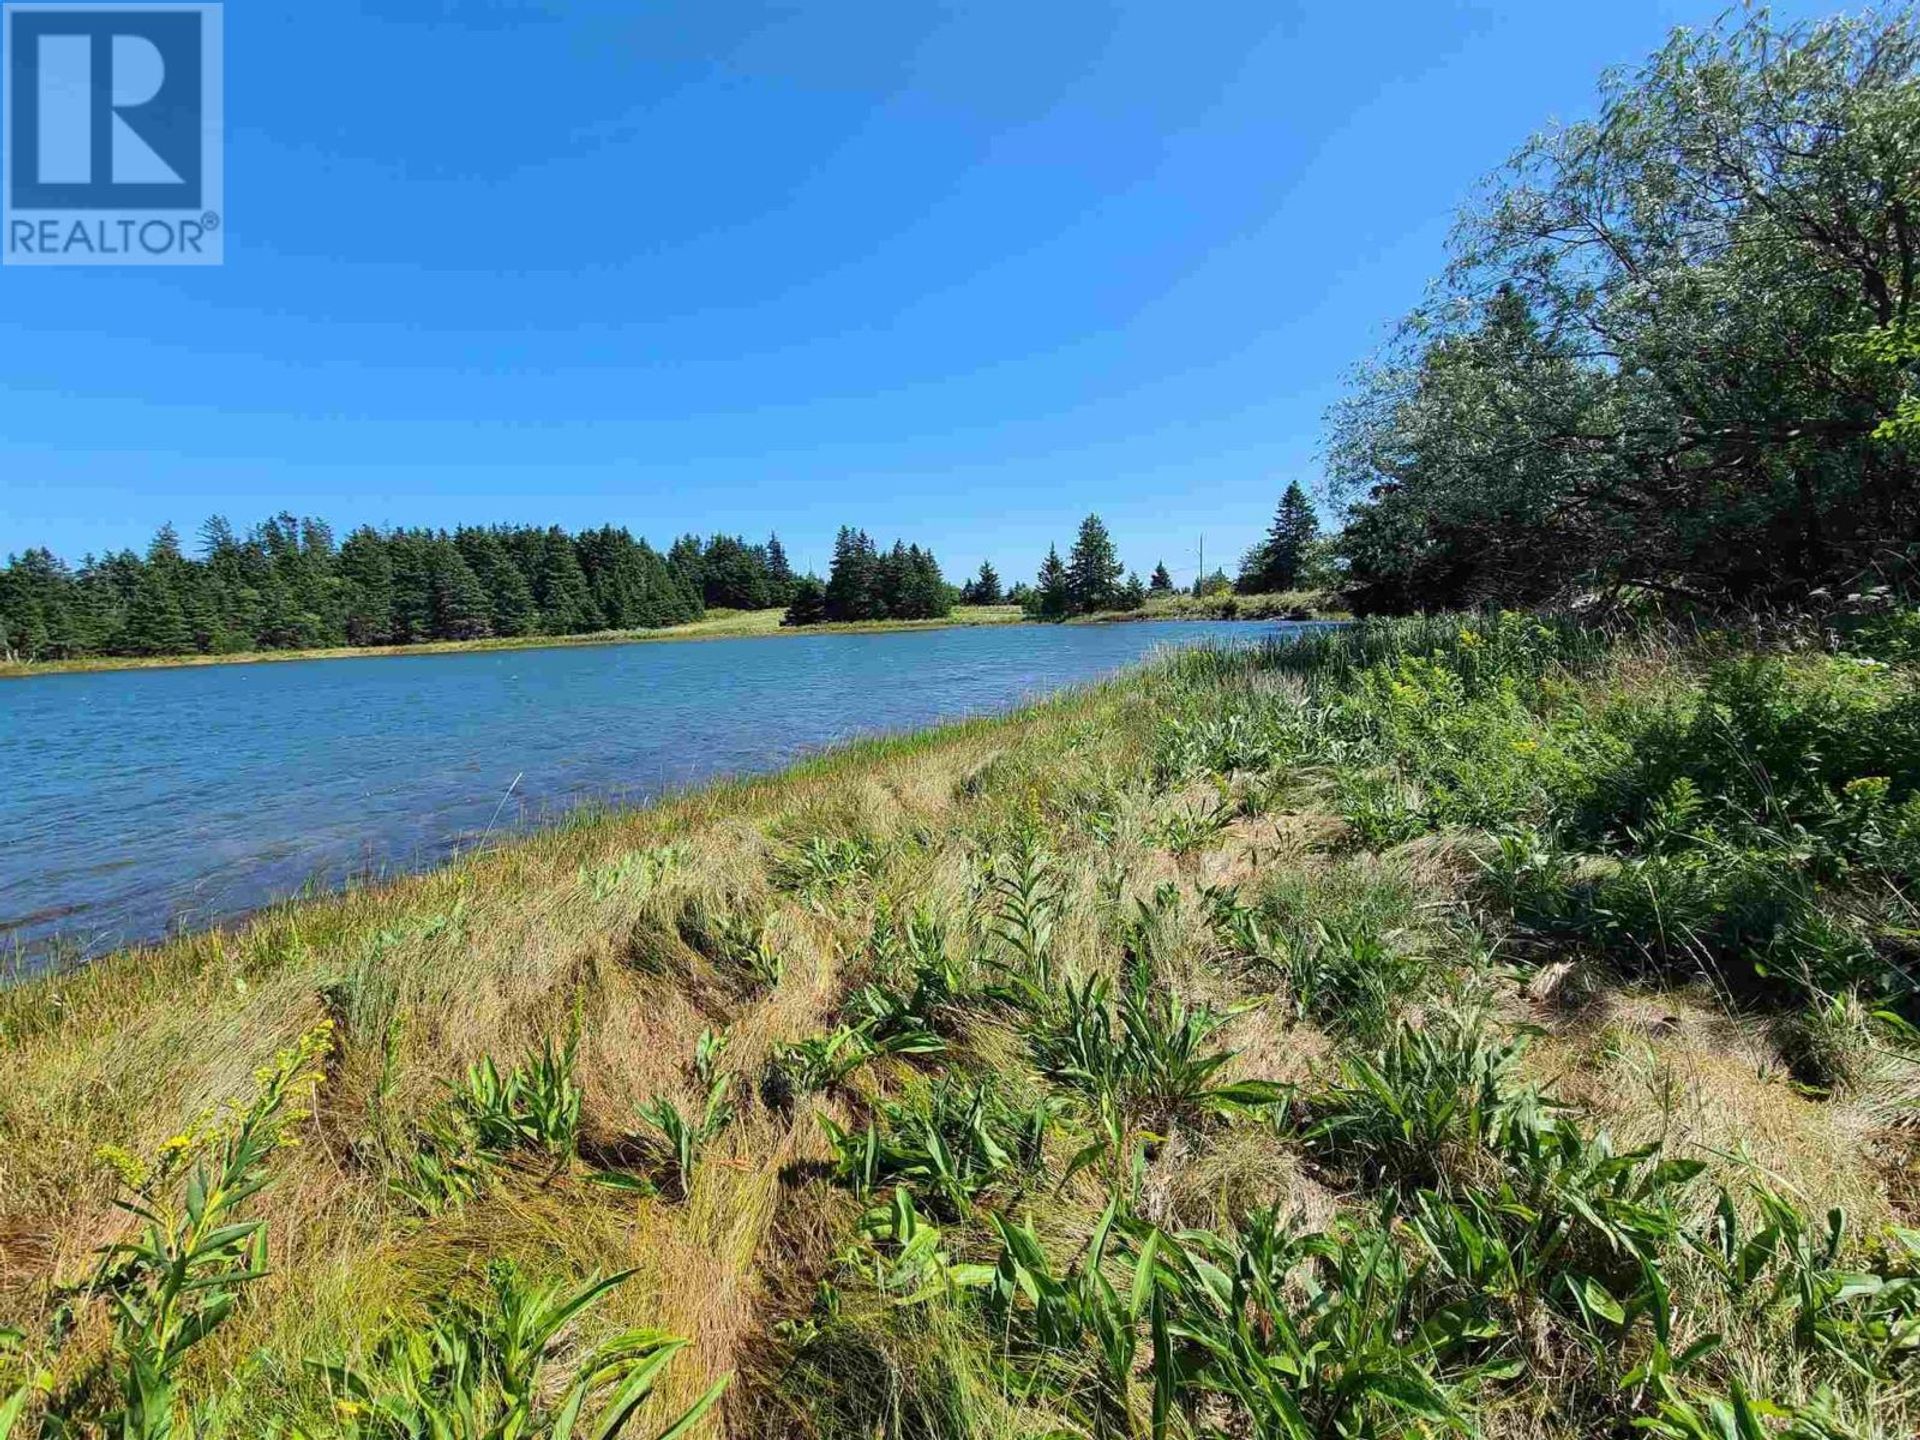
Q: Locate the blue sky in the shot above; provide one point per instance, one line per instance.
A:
(959, 273)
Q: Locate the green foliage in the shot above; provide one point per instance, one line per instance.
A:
(635, 873)
(1094, 570)
(1315, 1334)
(1866, 1318)
(686, 1136)
(740, 943)
(1431, 1102)
(1081, 1312)
(1138, 1068)
(821, 1062)
(534, 1106)
(1675, 347)
(809, 603)
(287, 585)
(1023, 894)
(477, 1370)
(825, 863)
(1051, 597)
(180, 1278)
(1279, 562)
(865, 583)
(984, 588)
(1342, 972)
(951, 1144)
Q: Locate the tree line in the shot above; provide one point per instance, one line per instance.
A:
(287, 585)
(1675, 349)
(1291, 556)
(865, 582)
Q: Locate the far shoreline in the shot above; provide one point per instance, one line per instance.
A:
(717, 625)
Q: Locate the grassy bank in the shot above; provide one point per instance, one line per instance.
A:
(1418, 1029)
(1281, 605)
(718, 625)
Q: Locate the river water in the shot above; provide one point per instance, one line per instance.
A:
(139, 802)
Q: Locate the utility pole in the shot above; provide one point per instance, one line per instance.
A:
(1200, 579)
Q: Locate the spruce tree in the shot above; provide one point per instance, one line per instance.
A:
(1162, 581)
(511, 608)
(1093, 569)
(985, 589)
(1276, 563)
(38, 600)
(685, 556)
(458, 599)
(366, 572)
(780, 578)
(854, 581)
(809, 603)
(157, 621)
(1051, 598)
(560, 587)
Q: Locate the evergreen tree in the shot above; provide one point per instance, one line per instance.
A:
(38, 596)
(412, 590)
(1093, 569)
(458, 600)
(285, 584)
(985, 587)
(1162, 582)
(809, 603)
(853, 582)
(1276, 563)
(924, 593)
(686, 557)
(734, 574)
(560, 588)
(1133, 594)
(1052, 596)
(231, 580)
(366, 574)
(780, 579)
(156, 616)
(1215, 584)
(511, 608)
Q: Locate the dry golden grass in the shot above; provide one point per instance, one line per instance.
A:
(603, 929)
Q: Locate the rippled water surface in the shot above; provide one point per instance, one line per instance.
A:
(138, 801)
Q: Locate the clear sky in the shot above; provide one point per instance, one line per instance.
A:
(959, 273)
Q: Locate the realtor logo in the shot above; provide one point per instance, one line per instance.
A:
(112, 124)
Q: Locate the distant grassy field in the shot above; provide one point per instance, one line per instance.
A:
(718, 624)
(1443, 1027)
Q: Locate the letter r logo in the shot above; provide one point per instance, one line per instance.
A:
(105, 107)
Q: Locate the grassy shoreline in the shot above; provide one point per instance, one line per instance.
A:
(718, 625)
(883, 1080)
